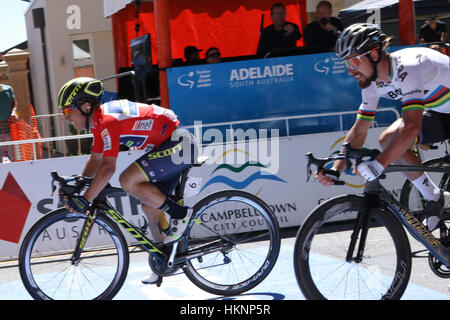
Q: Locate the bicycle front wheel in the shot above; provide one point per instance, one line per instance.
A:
(46, 263)
(323, 266)
(236, 239)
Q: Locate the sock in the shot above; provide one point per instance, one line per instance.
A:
(427, 188)
(173, 209)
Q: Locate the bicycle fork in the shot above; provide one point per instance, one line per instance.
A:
(361, 227)
(87, 227)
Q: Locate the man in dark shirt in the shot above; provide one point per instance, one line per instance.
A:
(433, 31)
(322, 33)
(191, 55)
(279, 35)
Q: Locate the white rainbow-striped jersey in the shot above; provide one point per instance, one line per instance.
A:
(420, 78)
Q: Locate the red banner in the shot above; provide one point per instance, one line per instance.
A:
(231, 26)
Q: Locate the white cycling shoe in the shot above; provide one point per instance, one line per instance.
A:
(177, 227)
(152, 278)
(434, 210)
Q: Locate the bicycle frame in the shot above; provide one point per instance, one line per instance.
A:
(144, 242)
(384, 200)
(108, 210)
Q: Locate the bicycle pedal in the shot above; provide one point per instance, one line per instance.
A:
(159, 282)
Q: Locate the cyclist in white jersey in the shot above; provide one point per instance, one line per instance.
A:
(420, 78)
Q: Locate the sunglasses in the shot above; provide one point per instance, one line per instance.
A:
(355, 62)
(69, 109)
(215, 54)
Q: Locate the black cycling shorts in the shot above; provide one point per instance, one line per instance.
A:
(435, 127)
(163, 165)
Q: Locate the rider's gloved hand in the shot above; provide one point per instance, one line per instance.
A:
(79, 204)
(370, 170)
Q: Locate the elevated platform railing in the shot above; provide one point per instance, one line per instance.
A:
(228, 125)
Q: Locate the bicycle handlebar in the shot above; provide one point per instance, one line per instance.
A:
(359, 155)
(65, 188)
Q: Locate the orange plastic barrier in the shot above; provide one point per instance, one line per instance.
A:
(20, 130)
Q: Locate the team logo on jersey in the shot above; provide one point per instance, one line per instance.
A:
(106, 140)
(143, 124)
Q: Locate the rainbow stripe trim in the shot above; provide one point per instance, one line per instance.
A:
(419, 139)
(413, 104)
(438, 97)
(365, 115)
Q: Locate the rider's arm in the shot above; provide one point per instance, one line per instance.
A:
(93, 164)
(412, 124)
(102, 163)
(356, 138)
(103, 175)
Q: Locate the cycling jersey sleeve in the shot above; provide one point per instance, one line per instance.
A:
(106, 141)
(369, 103)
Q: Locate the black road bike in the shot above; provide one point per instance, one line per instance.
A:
(355, 246)
(69, 255)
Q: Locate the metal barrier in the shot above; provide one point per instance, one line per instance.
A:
(288, 118)
(80, 137)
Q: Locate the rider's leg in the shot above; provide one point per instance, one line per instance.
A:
(154, 217)
(134, 181)
(420, 180)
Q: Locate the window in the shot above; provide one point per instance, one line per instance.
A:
(83, 56)
(81, 50)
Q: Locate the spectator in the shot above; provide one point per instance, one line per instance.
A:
(7, 112)
(191, 55)
(213, 55)
(433, 31)
(438, 47)
(279, 35)
(322, 33)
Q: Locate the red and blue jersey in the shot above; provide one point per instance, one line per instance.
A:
(135, 125)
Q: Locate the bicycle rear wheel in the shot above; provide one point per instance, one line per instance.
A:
(46, 267)
(237, 241)
(322, 267)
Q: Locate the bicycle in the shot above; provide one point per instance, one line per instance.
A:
(355, 246)
(91, 261)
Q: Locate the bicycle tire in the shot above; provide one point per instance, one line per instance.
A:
(45, 266)
(320, 273)
(234, 271)
(411, 198)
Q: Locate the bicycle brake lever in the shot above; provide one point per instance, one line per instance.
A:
(308, 166)
(53, 187)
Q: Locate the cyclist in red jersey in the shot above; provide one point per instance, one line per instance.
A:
(152, 177)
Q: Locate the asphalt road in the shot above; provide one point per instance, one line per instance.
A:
(279, 285)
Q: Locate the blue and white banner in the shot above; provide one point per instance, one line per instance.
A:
(265, 88)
